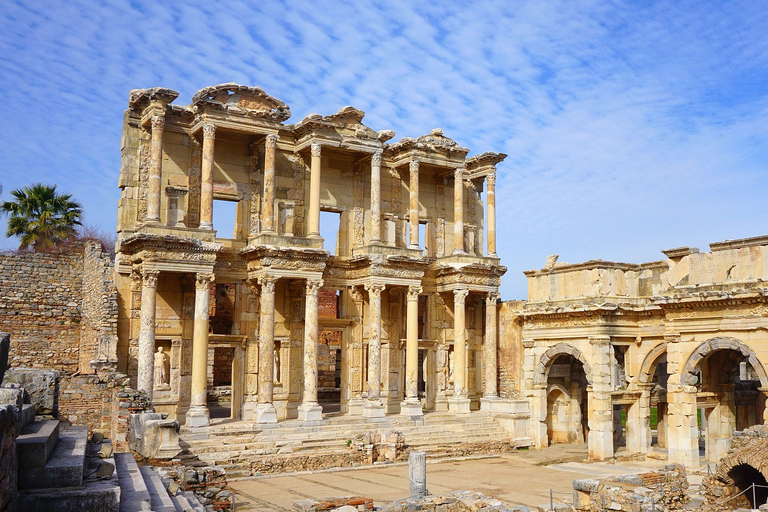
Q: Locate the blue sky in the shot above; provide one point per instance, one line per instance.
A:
(631, 127)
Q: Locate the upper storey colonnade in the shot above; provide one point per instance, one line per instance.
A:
(232, 144)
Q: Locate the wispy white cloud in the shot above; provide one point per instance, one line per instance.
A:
(630, 126)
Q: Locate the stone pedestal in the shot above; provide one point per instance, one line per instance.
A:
(411, 409)
(198, 416)
(310, 412)
(373, 409)
(490, 403)
(266, 413)
(459, 405)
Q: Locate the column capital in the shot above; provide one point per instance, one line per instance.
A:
(458, 173)
(460, 295)
(267, 283)
(414, 292)
(313, 286)
(491, 179)
(158, 122)
(374, 289)
(204, 280)
(209, 131)
(672, 337)
(149, 278)
(414, 166)
(492, 298)
(376, 157)
(271, 141)
(316, 149)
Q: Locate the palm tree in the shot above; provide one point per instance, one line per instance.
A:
(41, 217)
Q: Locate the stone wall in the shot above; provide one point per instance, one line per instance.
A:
(510, 352)
(657, 491)
(61, 311)
(10, 426)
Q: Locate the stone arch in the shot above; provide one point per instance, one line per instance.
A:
(542, 369)
(688, 376)
(753, 455)
(649, 363)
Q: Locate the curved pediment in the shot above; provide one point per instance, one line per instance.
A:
(434, 142)
(251, 101)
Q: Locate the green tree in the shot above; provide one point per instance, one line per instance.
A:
(41, 217)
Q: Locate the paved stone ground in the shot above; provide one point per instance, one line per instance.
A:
(524, 477)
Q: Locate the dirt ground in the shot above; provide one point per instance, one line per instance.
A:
(525, 477)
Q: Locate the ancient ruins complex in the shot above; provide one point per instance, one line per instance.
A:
(317, 279)
(414, 269)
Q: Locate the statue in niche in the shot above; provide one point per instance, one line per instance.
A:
(276, 363)
(161, 370)
(450, 366)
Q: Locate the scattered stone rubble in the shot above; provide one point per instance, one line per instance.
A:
(657, 491)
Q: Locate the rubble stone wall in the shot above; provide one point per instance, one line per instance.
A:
(10, 426)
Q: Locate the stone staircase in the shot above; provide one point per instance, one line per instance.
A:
(61, 470)
(231, 444)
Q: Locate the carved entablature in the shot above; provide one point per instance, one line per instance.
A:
(242, 99)
(284, 259)
(344, 128)
(483, 164)
(170, 253)
(477, 276)
(544, 321)
(140, 98)
(395, 269)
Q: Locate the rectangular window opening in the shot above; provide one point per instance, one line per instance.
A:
(330, 223)
(224, 218)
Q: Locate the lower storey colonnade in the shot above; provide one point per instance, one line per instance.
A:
(285, 346)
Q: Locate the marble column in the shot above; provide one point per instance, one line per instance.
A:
(310, 410)
(313, 229)
(206, 186)
(155, 169)
(490, 350)
(376, 198)
(268, 207)
(147, 331)
(411, 406)
(265, 410)
(413, 242)
(459, 403)
(198, 415)
(491, 181)
(458, 211)
(373, 407)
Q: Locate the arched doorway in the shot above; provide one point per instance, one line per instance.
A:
(727, 376)
(566, 397)
(653, 378)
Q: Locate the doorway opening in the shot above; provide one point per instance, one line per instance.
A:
(566, 401)
(220, 375)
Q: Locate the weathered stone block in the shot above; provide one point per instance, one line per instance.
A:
(42, 386)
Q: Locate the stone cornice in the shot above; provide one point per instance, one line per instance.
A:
(435, 142)
(240, 99)
(596, 264)
(148, 242)
(139, 98)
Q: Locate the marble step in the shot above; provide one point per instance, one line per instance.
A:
(65, 465)
(37, 442)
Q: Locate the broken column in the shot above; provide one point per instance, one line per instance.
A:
(417, 474)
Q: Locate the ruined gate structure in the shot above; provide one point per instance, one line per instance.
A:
(608, 346)
(414, 265)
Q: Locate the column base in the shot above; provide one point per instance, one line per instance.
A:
(266, 413)
(373, 409)
(411, 408)
(310, 412)
(490, 403)
(355, 407)
(205, 225)
(459, 405)
(198, 416)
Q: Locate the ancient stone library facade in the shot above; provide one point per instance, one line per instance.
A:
(226, 299)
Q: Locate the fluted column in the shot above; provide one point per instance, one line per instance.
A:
(459, 403)
(206, 185)
(313, 230)
(376, 198)
(414, 214)
(265, 411)
(491, 181)
(411, 406)
(155, 169)
(268, 207)
(491, 346)
(458, 211)
(147, 331)
(310, 410)
(198, 415)
(373, 406)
